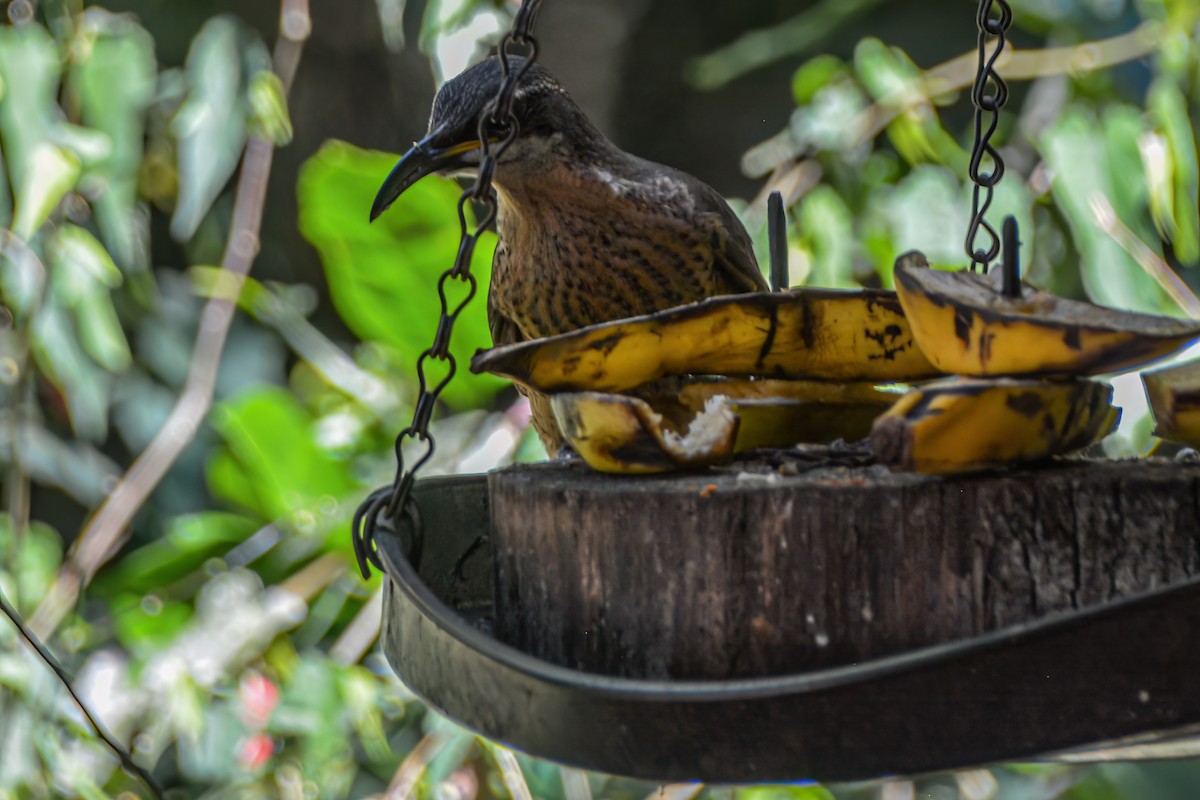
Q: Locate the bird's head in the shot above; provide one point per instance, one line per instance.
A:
(546, 117)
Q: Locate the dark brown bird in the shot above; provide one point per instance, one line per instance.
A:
(588, 232)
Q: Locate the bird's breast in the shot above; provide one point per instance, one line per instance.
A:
(572, 258)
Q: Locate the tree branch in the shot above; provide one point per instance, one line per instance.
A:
(946, 78)
(106, 530)
(1154, 264)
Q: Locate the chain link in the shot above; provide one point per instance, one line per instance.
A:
(498, 128)
(989, 94)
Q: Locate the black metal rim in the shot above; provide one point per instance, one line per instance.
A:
(1074, 680)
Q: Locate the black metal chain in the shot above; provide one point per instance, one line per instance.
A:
(989, 94)
(498, 128)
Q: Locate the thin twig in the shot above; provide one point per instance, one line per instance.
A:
(575, 784)
(1153, 264)
(315, 577)
(108, 527)
(677, 791)
(118, 750)
(361, 633)
(409, 773)
(1023, 65)
(510, 771)
(959, 72)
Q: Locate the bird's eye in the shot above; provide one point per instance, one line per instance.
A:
(497, 129)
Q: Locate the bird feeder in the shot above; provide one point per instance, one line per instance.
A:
(790, 615)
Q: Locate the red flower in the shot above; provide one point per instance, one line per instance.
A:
(256, 750)
(258, 696)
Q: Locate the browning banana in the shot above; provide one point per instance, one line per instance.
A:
(967, 327)
(962, 424)
(822, 334)
(1174, 395)
(678, 424)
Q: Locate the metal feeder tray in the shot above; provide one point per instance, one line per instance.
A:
(1121, 672)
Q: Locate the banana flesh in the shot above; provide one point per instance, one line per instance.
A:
(699, 422)
(824, 334)
(1174, 395)
(963, 424)
(965, 326)
(623, 434)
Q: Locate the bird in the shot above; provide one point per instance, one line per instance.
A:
(588, 233)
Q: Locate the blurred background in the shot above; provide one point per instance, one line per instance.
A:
(207, 602)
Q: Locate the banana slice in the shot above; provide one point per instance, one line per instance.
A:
(772, 412)
(967, 327)
(962, 424)
(678, 424)
(1174, 395)
(826, 334)
(622, 434)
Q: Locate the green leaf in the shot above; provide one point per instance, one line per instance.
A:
(443, 16)
(84, 387)
(111, 80)
(833, 118)
(828, 229)
(80, 471)
(925, 212)
(383, 277)
(360, 691)
(34, 566)
(391, 23)
(29, 68)
(91, 147)
(145, 624)
(22, 276)
(269, 109)
(1181, 220)
(230, 481)
(101, 332)
(208, 758)
(211, 126)
(46, 179)
(271, 438)
(190, 541)
(1076, 149)
(896, 82)
(84, 272)
(887, 73)
(75, 249)
(813, 76)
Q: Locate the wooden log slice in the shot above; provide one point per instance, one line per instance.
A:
(712, 576)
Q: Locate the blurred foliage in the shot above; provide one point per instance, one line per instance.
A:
(230, 642)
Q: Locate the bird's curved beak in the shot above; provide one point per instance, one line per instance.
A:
(423, 159)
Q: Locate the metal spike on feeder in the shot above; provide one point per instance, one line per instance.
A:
(777, 235)
(1010, 265)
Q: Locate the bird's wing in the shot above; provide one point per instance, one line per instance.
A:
(735, 267)
(504, 330)
(735, 263)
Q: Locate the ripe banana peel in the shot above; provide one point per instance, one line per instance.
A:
(824, 334)
(694, 423)
(966, 326)
(1174, 395)
(964, 424)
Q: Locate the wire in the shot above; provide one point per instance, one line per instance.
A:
(127, 762)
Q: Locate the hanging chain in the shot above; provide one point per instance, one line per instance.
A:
(498, 128)
(989, 94)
